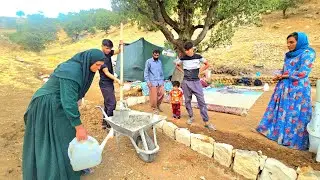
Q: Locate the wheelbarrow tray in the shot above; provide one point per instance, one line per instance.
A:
(135, 124)
(137, 121)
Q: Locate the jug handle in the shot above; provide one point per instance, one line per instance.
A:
(104, 142)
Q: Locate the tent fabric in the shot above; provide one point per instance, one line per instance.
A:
(135, 56)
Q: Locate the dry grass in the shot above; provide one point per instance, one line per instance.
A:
(7, 31)
(19, 66)
(251, 45)
(270, 40)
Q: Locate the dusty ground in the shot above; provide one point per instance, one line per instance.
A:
(13, 104)
(173, 161)
(237, 130)
(251, 45)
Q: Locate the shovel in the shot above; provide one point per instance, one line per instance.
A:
(123, 107)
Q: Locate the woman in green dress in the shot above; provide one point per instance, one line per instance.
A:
(52, 119)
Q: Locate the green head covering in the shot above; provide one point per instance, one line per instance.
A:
(78, 69)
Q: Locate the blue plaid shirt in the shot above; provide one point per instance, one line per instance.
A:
(153, 72)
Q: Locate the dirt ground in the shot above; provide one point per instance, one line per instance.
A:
(119, 161)
(13, 104)
(238, 131)
(233, 129)
(172, 162)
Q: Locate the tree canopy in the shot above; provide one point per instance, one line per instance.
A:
(192, 20)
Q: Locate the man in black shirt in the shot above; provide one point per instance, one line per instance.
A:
(107, 79)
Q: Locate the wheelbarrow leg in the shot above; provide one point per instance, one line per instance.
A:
(143, 138)
(155, 135)
(142, 141)
(118, 140)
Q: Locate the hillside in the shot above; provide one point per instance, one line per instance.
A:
(264, 45)
(251, 45)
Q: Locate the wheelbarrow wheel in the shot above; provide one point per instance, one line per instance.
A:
(146, 157)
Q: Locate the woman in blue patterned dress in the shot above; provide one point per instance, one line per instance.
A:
(289, 110)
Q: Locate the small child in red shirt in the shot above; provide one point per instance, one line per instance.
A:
(176, 99)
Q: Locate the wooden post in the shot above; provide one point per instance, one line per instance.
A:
(318, 91)
(121, 64)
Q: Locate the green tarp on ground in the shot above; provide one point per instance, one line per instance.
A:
(135, 56)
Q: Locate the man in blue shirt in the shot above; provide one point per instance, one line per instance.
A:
(153, 75)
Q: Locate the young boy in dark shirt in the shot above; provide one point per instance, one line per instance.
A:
(107, 79)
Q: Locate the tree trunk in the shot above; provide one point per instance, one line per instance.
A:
(178, 75)
(284, 13)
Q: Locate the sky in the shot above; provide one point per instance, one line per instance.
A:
(50, 8)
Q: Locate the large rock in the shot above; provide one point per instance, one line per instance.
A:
(131, 101)
(183, 136)
(169, 129)
(141, 100)
(159, 125)
(275, 170)
(307, 173)
(202, 144)
(315, 175)
(262, 161)
(223, 153)
(246, 163)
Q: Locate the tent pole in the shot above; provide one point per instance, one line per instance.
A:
(121, 64)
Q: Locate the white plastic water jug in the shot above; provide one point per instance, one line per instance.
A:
(313, 127)
(266, 87)
(318, 154)
(86, 154)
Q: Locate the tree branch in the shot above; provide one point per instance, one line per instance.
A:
(167, 18)
(143, 12)
(210, 27)
(213, 6)
(166, 32)
(157, 19)
(181, 12)
(198, 26)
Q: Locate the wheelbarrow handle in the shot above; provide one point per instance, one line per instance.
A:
(104, 113)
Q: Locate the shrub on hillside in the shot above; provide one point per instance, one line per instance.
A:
(285, 4)
(101, 19)
(28, 40)
(35, 33)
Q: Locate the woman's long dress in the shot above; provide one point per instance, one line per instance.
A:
(290, 109)
(49, 127)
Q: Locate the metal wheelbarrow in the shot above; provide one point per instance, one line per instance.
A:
(135, 125)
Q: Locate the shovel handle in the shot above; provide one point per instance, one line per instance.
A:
(121, 63)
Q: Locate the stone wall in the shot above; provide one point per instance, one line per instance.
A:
(249, 164)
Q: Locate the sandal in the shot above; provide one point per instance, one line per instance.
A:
(86, 172)
(210, 127)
